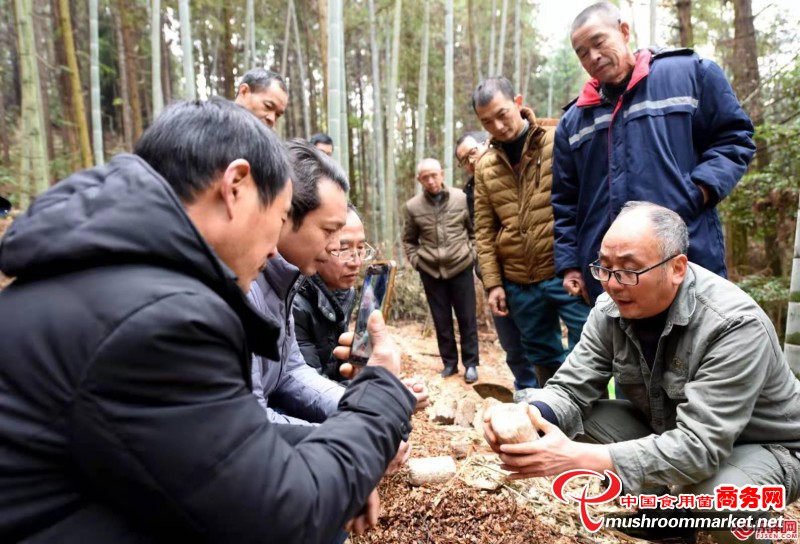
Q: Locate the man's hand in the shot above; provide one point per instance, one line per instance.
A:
(574, 285)
(384, 350)
(704, 190)
(497, 301)
(551, 455)
(403, 454)
(367, 517)
(419, 390)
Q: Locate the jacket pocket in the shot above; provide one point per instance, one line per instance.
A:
(673, 381)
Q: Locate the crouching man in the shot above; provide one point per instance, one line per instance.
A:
(712, 399)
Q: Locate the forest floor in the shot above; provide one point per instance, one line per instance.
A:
(459, 511)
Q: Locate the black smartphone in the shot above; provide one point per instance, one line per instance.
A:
(376, 294)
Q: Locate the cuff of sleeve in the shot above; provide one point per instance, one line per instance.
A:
(546, 412)
(383, 394)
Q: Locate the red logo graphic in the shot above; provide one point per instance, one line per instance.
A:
(613, 491)
(743, 534)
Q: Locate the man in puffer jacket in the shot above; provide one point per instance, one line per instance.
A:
(514, 232)
(126, 410)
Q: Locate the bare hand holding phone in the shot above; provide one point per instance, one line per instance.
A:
(384, 350)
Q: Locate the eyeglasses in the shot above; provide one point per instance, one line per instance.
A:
(472, 154)
(346, 255)
(624, 277)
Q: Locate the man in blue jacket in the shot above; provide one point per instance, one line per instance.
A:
(659, 126)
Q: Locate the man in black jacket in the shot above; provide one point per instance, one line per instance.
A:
(126, 411)
(325, 302)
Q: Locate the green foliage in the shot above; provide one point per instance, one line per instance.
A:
(765, 290)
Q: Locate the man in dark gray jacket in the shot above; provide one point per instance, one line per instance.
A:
(711, 398)
(126, 410)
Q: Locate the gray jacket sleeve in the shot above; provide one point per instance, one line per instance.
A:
(302, 392)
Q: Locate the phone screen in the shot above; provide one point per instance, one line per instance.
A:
(376, 294)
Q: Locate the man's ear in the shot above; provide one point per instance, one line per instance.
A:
(244, 90)
(679, 266)
(518, 100)
(625, 30)
(234, 179)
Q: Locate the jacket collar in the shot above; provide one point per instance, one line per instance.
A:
(281, 275)
(680, 311)
(590, 96)
(445, 195)
(534, 130)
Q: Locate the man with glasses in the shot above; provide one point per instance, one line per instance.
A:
(711, 398)
(325, 302)
(438, 240)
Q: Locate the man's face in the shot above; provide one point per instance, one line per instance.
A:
(252, 235)
(305, 247)
(335, 272)
(268, 105)
(603, 50)
(325, 148)
(468, 153)
(630, 244)
(431, 176)
(501, 117)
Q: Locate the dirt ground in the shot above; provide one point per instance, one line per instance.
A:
(516, 512)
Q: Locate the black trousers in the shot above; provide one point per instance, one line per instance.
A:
(444, 297)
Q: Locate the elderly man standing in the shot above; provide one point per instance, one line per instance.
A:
(438, 240)
(712, 400)
(656, 125)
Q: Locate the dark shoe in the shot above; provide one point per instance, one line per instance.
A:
(448, 371)
(471, 375)
(654, 531)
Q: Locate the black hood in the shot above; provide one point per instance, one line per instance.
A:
(121, 213)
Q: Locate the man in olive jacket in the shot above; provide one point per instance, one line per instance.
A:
(126, 409)
(514, 232)
(438, 240)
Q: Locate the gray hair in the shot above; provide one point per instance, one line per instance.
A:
(605, 11)
(670, 230)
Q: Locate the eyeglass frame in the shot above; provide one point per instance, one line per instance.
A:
(595, 266)
(462, 162)
(369, 253)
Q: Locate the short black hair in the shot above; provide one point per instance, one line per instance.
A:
(321, 138)
(310, 166)
(486, 89)
(477, 135)
(192, 142)
(606, 11)
(259, 80)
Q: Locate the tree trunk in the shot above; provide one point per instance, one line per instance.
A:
(155, 58)
(685, 30)
(166, 66)
(653, 21)
(94, 78)
(42, 30)
(791, 348)
(391, 151)
(69, 128)
(448, 93)
(189, 89)
(286, 39)
(322, 9)
(422, 105)
(124, 86)
(249, 36)
(517, 49)
(492, 63)
(35, 165)
(334, 73)
(131, 64)
(301, 65)
(377, 130)
(501, 46)
(76, 94)
(226, 56)
(344, 124)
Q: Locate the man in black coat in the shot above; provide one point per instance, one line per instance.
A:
(126, 411)
(325, 302)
